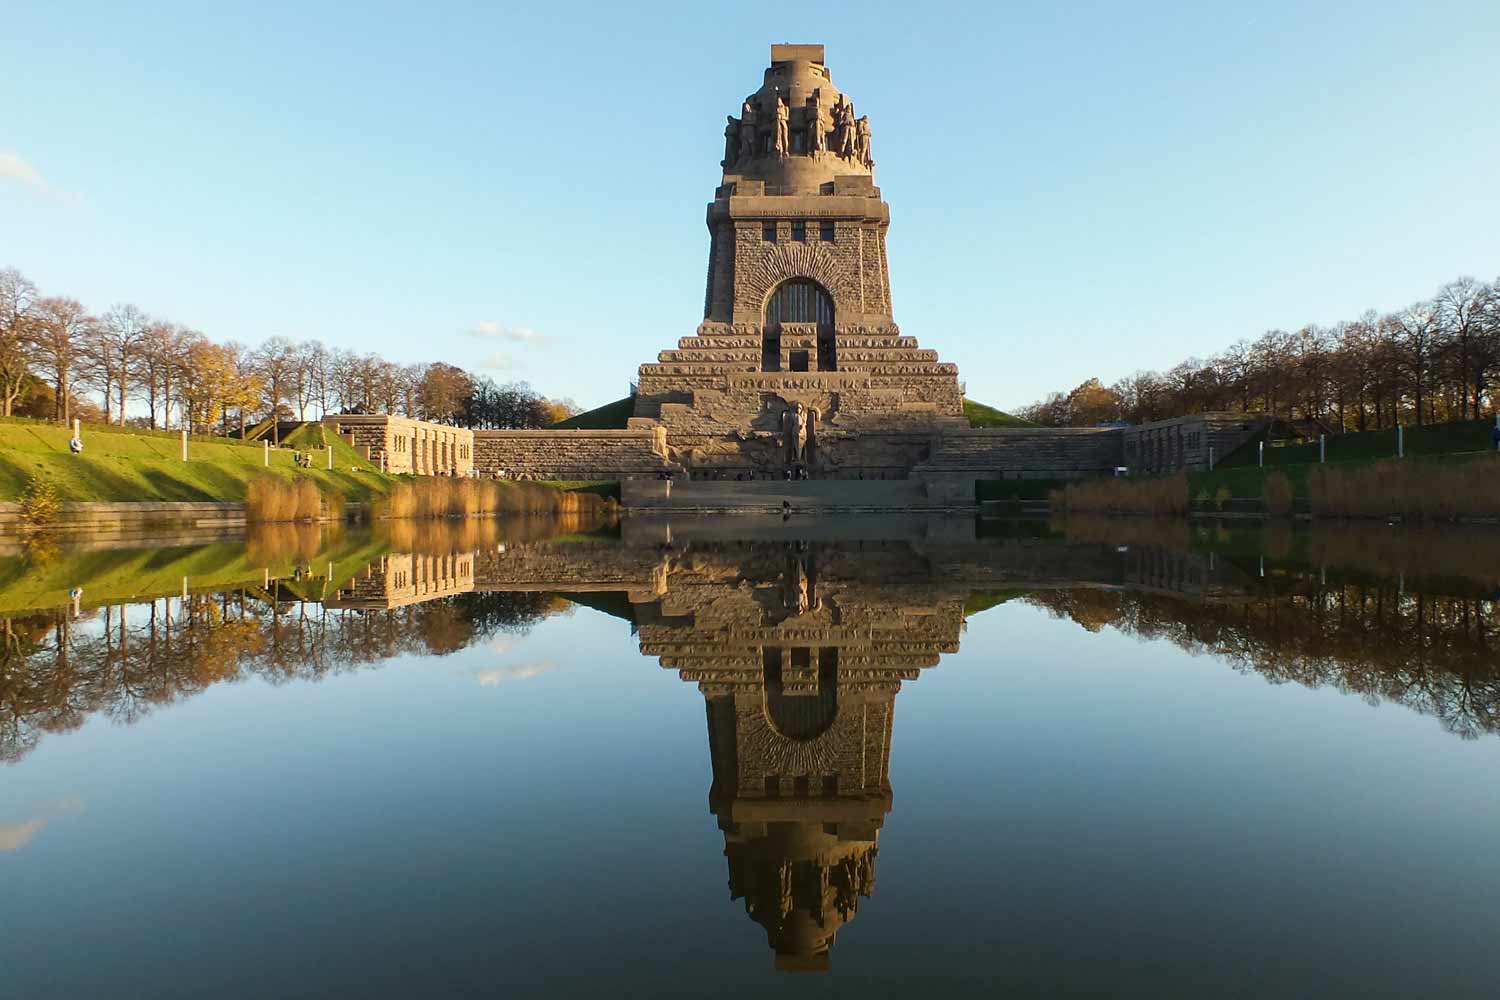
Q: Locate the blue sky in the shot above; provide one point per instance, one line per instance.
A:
(1075, 190)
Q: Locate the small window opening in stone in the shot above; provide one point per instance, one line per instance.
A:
(825, 232)
(799, 231)
(799, 361)
(768, 232)
(799, 786)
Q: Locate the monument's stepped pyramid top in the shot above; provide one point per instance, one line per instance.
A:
(798, 363)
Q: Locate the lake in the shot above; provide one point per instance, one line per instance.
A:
(852, 756)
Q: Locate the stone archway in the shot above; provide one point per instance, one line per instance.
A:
(806, 715)
(808, 304)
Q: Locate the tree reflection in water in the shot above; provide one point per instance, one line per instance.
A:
(799, 646)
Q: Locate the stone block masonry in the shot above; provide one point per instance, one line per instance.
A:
(401, 445)
(572, 455)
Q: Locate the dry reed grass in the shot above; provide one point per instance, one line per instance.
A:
(1450, 552)
(438, 497)
(271, 498)
(1171, 534)
(1165, 495)
(1408, 488)
(1277, 494)
(296, 542)
(446, 536)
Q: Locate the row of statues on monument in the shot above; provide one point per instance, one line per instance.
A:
(836, 130)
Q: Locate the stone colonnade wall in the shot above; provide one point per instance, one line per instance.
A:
(401, 445)
(581, 454)
(1184, 442)
(401, 578)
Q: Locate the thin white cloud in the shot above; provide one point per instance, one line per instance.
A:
(495, 330)
(501, 362)
(14, 836)
(16, 169)
(495, 676)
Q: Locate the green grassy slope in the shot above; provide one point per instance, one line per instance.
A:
(609, 417)
(1433, 439)
(148, 467)
(987, 416)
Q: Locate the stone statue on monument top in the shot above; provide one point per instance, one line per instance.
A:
(781, 140)
(747, 132)
(731, 141)
(862, 141)
(844, 128)
(817, 132)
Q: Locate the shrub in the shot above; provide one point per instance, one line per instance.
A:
(40, 502)
(1277, 494)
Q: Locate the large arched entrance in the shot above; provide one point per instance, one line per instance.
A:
(800, 300)
(801, 716)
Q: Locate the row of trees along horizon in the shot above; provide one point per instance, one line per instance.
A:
(53, 351)
(1432, 362)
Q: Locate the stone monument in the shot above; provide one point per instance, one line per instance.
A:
(798, 363)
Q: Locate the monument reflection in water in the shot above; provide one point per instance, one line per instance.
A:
(799, 635)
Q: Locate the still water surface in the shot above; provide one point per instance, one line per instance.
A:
(667, 759)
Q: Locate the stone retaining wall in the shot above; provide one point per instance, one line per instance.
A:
(103, 517)
(568, 454)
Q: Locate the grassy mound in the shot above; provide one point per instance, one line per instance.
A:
(121, 466)
(987, 416)
(1433, 439)
(609, 417)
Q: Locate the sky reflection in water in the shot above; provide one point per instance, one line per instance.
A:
(1127, 756)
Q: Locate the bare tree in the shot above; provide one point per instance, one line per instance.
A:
(115, 344)
(158, 359)
(17, 317)
(1460, 306)
(61, 330)
(275, 364)
(1416, 329)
